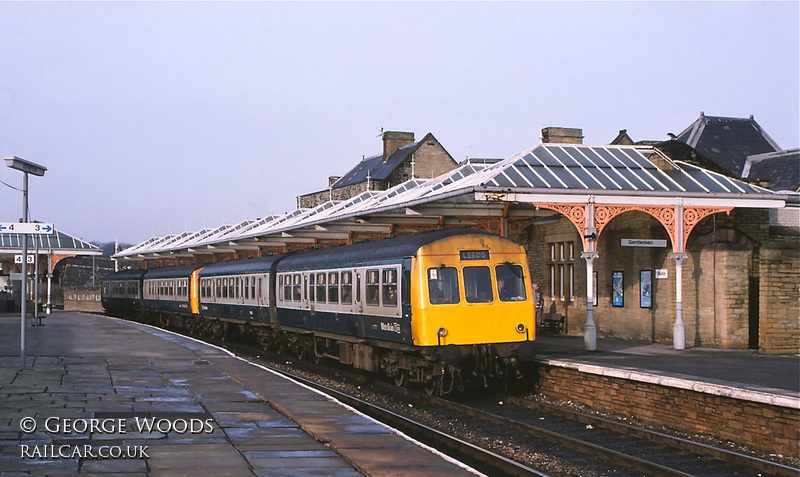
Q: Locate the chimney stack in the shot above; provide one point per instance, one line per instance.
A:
(562, 135)
(394, 140)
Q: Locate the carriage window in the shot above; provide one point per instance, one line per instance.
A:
(253, 287)
(478, 284)
(282, 288)
(246, 288)
(443, 285)
(333, 287)
(510, 282)
(373, 287)
(311, 289)
(321, 288)
(296, 293)
(347, 287)
(390, 287)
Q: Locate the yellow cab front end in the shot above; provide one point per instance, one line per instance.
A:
(471, 289)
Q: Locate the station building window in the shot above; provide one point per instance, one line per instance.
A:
(562, 271)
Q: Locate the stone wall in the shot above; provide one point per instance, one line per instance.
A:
(82, 299)
(716, 308)
(779, 307)
(771, 427)
(430, 160)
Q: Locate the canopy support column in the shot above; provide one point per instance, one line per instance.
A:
(589, 329)
(679, 329)
(679, 255)
(589, 254)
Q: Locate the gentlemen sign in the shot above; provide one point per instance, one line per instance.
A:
(657, 243)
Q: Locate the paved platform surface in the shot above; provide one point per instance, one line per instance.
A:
(203, 411)
(742, 369)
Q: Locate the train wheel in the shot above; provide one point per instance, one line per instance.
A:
(434, 387)
(401, 379)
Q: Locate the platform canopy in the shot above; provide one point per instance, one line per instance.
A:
(58, 242)
(496, 195)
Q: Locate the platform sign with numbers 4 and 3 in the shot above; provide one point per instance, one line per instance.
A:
(25, 228)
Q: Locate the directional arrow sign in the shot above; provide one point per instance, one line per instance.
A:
(25, 228)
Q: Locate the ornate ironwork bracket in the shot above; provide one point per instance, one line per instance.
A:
(603, 214)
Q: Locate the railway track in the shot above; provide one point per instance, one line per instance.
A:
(694, 451)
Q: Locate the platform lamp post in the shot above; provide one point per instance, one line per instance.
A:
(26, 167)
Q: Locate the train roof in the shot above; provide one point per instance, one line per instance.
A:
(248, 265)
(388, 249)
(128, 274)
(171, 272)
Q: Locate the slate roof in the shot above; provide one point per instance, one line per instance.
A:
(376, 167)
(782, 169)
(728, 141)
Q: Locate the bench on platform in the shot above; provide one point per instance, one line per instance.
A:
(552, 323)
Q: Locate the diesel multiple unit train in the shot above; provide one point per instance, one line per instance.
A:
(445, 309)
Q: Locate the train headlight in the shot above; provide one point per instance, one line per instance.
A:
(521, 328)
(441, 332)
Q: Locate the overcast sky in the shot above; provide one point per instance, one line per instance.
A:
(156, 118)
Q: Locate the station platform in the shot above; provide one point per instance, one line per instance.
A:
(742, 370)
(106, 396)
